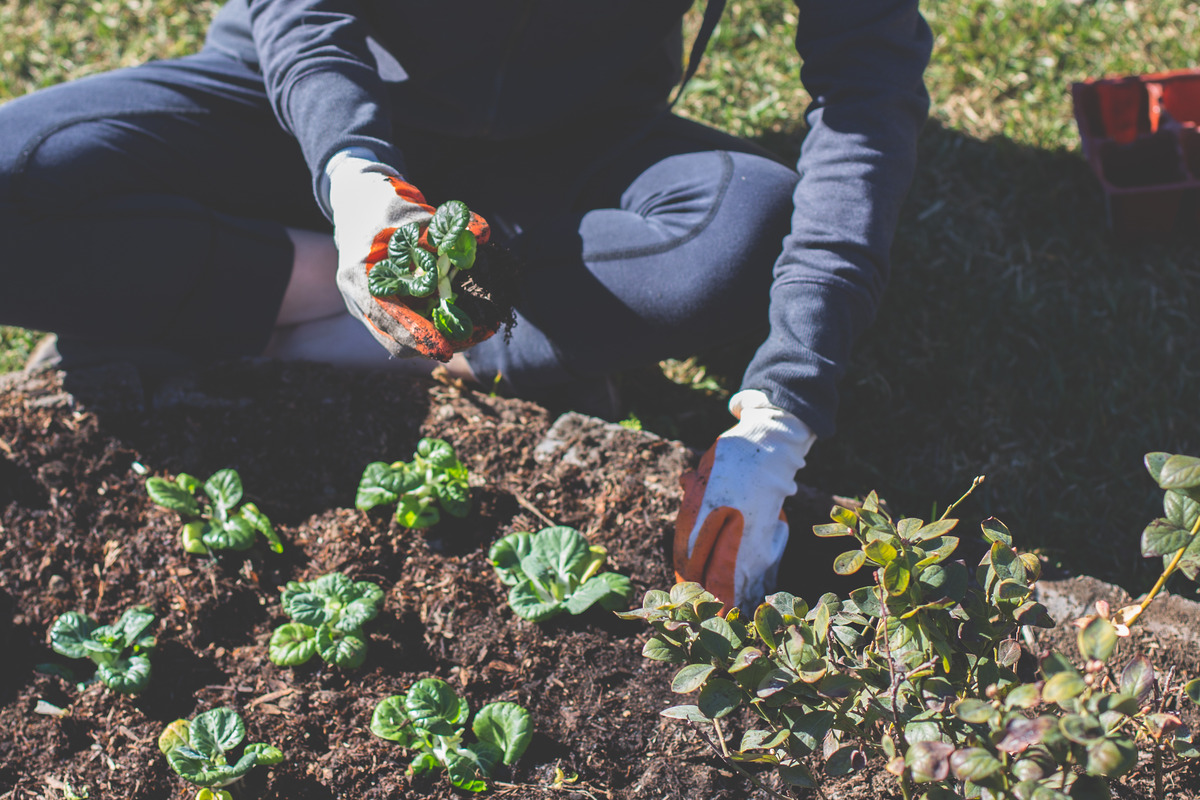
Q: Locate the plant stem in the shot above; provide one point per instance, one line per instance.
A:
(978, 480)
(1167, 573)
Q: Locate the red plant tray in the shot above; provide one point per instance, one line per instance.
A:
(1140, 137)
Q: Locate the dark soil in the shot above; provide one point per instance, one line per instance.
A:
(78, 532)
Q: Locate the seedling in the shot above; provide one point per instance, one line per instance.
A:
(213, 522)
(200, 751)
(556, 570)
(328, 614)
(435, 479)
(431, 719)
(412, 271)
(121, 652)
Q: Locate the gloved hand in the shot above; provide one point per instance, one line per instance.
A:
(368, 201)
(731, 531)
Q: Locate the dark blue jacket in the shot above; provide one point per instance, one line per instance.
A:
(504, 69)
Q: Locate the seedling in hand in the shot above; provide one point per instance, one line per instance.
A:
(200, 751)
(328, 614)
(435, 479)
(431, 720)
(556, 570)
(120, 651)
(213, 521)
(412, 271)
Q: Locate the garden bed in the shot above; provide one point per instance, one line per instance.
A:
(79, 533)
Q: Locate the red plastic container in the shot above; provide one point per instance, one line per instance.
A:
(1140, 137)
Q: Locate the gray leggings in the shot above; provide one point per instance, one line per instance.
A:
(145, 209)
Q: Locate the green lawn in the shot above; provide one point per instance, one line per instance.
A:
(1018, 339)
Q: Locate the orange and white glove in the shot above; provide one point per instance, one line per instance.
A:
(731, 531)
(368, 201)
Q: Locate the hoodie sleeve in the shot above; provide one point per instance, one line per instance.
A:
(863, 62)
(321, 79)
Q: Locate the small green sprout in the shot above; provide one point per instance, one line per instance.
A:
(121, 652)
(213, 522)
(412, 271)
(434, 479)
(328, 614)
(430, 719)
(556, 570)
(200, 751)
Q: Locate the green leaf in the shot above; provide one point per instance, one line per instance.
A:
(171, 496)
(265, 755)
(1180, 472)
(658, 649)
(505, 725)
(528, 604)
(974, 764)
(192, 537)
(1161, 537)
(1086, 787)
(719, 697)
(346, 649)
(866, 598)
(849, 562)
(809, 729)
(381, 484)
(832, 529)
(1111, 757)
(688, 712)
(260, 523)
(235, 534)
(609, 589)
(224, 488)
(1097, 639)
(462, 252)
(558, 553)
(416, 512)
(880, 551)
(216, 731)
(454, 494)
(292, 644)
(308, 608)
(1192, 690)
(506, 554)
(70, 632)
(174, 735)
(1024, 695)
(767, 620)
(718, 637)
(448, 223)
(1062, 686)
(691, 678)
(125, 675)
(973, 710)
(433, 706)
(944, 580)
(356, 614)
(452, 321)
(996, 531)
(896, 577)
(1180, 509)
(1081, 728)
(390, 721)
(1137, 679)
(933, 530)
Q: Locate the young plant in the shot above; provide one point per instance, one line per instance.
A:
(121, 652)
(556, 570)
(214, 521)
(435, 479)
(425, 278)
(917, 670)
(201, 751)
(431, 720)
(328, 614)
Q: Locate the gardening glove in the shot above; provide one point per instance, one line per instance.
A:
(731, 530)
(368, 201)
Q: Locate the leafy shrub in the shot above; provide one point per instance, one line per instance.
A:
(328, 614)
(121, 652)
(199, 751)
(213, 522)
(434, 479)
(555, 570)
(920, 669)
(430, 719)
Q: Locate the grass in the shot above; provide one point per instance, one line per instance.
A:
(1018, 338)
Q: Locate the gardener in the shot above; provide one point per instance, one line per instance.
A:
(181, 209)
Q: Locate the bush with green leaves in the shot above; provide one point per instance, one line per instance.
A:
(424, 278)
(554, 571)
(202, 751)
(430, 719)
(327, 618)
(434, 479)
(213, 521)
(121, 652)
(919, 671)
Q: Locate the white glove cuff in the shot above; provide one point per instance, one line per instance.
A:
(357, 159)
(771, 428)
